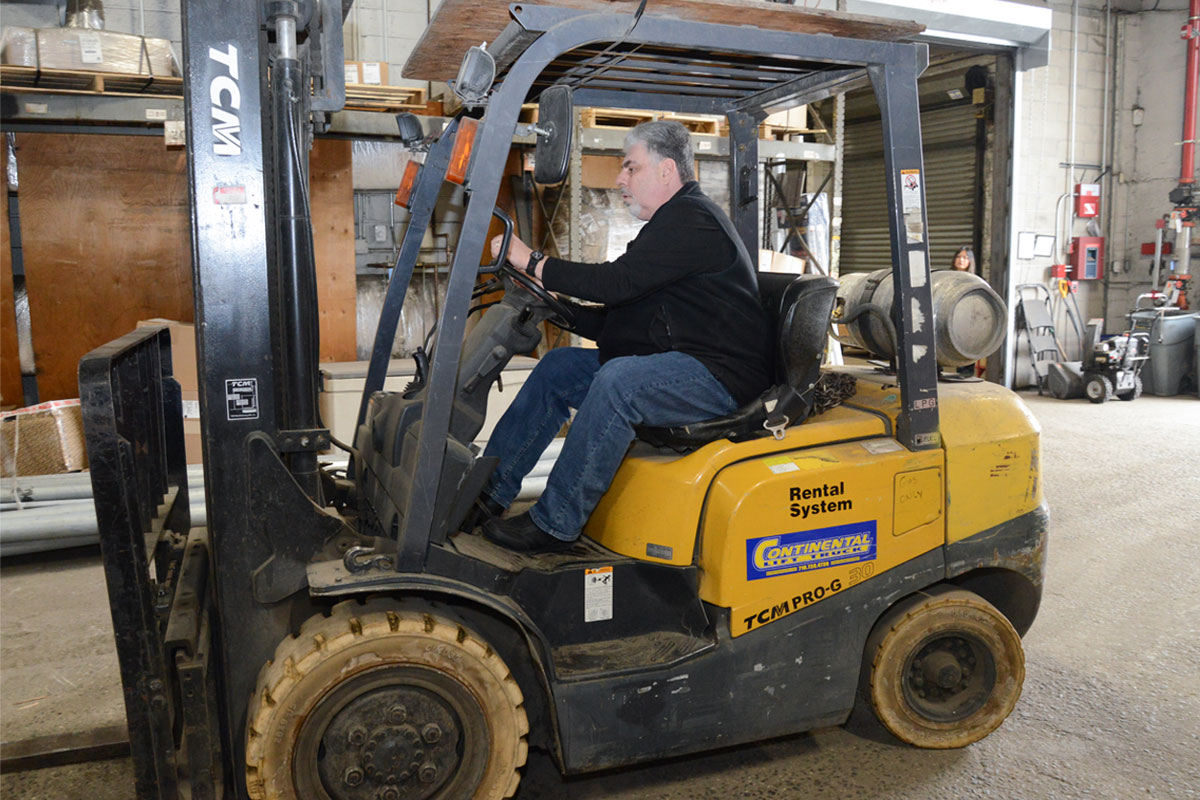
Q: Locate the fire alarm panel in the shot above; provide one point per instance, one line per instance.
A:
(1087, 258)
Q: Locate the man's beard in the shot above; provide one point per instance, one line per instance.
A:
(634, 207)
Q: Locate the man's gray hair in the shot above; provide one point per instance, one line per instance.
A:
(666, 139)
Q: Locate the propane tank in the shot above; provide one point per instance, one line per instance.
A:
(968, 316)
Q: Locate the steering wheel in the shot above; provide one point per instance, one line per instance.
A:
(560, 313)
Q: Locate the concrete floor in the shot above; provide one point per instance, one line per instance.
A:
(1111, 707)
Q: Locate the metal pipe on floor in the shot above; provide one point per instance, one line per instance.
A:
(56, 511)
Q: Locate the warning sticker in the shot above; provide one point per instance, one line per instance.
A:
(597, 594)
(910, 190)
(880, 446)
(781, 464)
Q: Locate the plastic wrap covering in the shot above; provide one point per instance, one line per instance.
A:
(817, 236)
(378, 165)
(426, 295)
(10, 161)
(42, 440)
(18, 46)
(606, 226)
(88, 50)
(85, 14)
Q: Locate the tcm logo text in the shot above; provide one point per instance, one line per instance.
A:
(226, 99)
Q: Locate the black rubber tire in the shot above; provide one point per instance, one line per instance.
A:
(1098, 388)
(938, 625)
(1135, 392)
(346, 670)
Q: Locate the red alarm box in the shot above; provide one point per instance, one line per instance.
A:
(1087, 199)
(1087, 258)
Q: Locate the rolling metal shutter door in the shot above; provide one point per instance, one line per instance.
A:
(950, 190)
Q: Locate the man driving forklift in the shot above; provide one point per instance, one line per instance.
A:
(681, 338)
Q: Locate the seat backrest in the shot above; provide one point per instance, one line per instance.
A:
(799, 308)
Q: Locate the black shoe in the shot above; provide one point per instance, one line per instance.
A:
(522, 534)
(483, 509)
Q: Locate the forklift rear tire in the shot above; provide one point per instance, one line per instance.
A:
(945, 669)
(1098, 388)
(380, 701)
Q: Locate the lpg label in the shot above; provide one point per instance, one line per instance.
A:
(804, 551)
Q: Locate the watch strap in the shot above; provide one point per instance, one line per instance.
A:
(535, 258)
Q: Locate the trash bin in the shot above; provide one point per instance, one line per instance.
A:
(1172, 345)
(1196, 359)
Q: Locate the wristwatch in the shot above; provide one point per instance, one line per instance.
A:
(535, 258)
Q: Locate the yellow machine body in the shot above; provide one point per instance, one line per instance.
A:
(778, 525)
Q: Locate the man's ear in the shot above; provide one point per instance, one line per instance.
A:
(668, 166)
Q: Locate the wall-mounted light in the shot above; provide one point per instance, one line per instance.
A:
(1139, 115)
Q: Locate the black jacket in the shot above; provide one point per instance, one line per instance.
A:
(685, 283)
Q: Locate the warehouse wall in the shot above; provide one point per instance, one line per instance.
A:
(1044, 144)
(1148, 155)
(1147, 71)
(387, 30)
(105, 230)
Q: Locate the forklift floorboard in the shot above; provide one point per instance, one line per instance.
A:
(1110, 702)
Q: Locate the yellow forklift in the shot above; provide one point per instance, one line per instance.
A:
(335, 635)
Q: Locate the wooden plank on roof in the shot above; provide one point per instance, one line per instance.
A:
(460, 24)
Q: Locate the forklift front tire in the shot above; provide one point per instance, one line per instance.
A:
(945, 670)
(378, 700)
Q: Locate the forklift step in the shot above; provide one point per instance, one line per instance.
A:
(585, 551)
(652, 650)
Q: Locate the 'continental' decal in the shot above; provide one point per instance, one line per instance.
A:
(804, 551)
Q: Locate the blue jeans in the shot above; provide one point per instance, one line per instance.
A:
(661, 389)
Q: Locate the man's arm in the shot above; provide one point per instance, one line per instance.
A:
(589, 320)
(679, 241)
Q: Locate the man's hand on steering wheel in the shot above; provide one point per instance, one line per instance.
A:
(514, 269)
(518, 252)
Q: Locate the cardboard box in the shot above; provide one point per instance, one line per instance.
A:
(89, 50)
(183, 351)
(367, 73)
(770, 261)
(601, 172)
(46, 439)
(794, 119)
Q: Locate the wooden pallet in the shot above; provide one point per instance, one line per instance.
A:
(73, 81)
(697, 123)
(363, 97)
(70, 81)
(614, 117)
(624, 118)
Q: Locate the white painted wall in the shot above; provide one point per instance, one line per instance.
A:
(1044, 144)
(1148, 155)
(387, 30)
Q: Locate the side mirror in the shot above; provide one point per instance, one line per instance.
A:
(555, 126)
(475, 76)
(411, 132)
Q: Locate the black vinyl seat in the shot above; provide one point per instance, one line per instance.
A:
(799, 309)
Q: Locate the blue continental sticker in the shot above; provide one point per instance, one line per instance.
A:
(805, 551)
